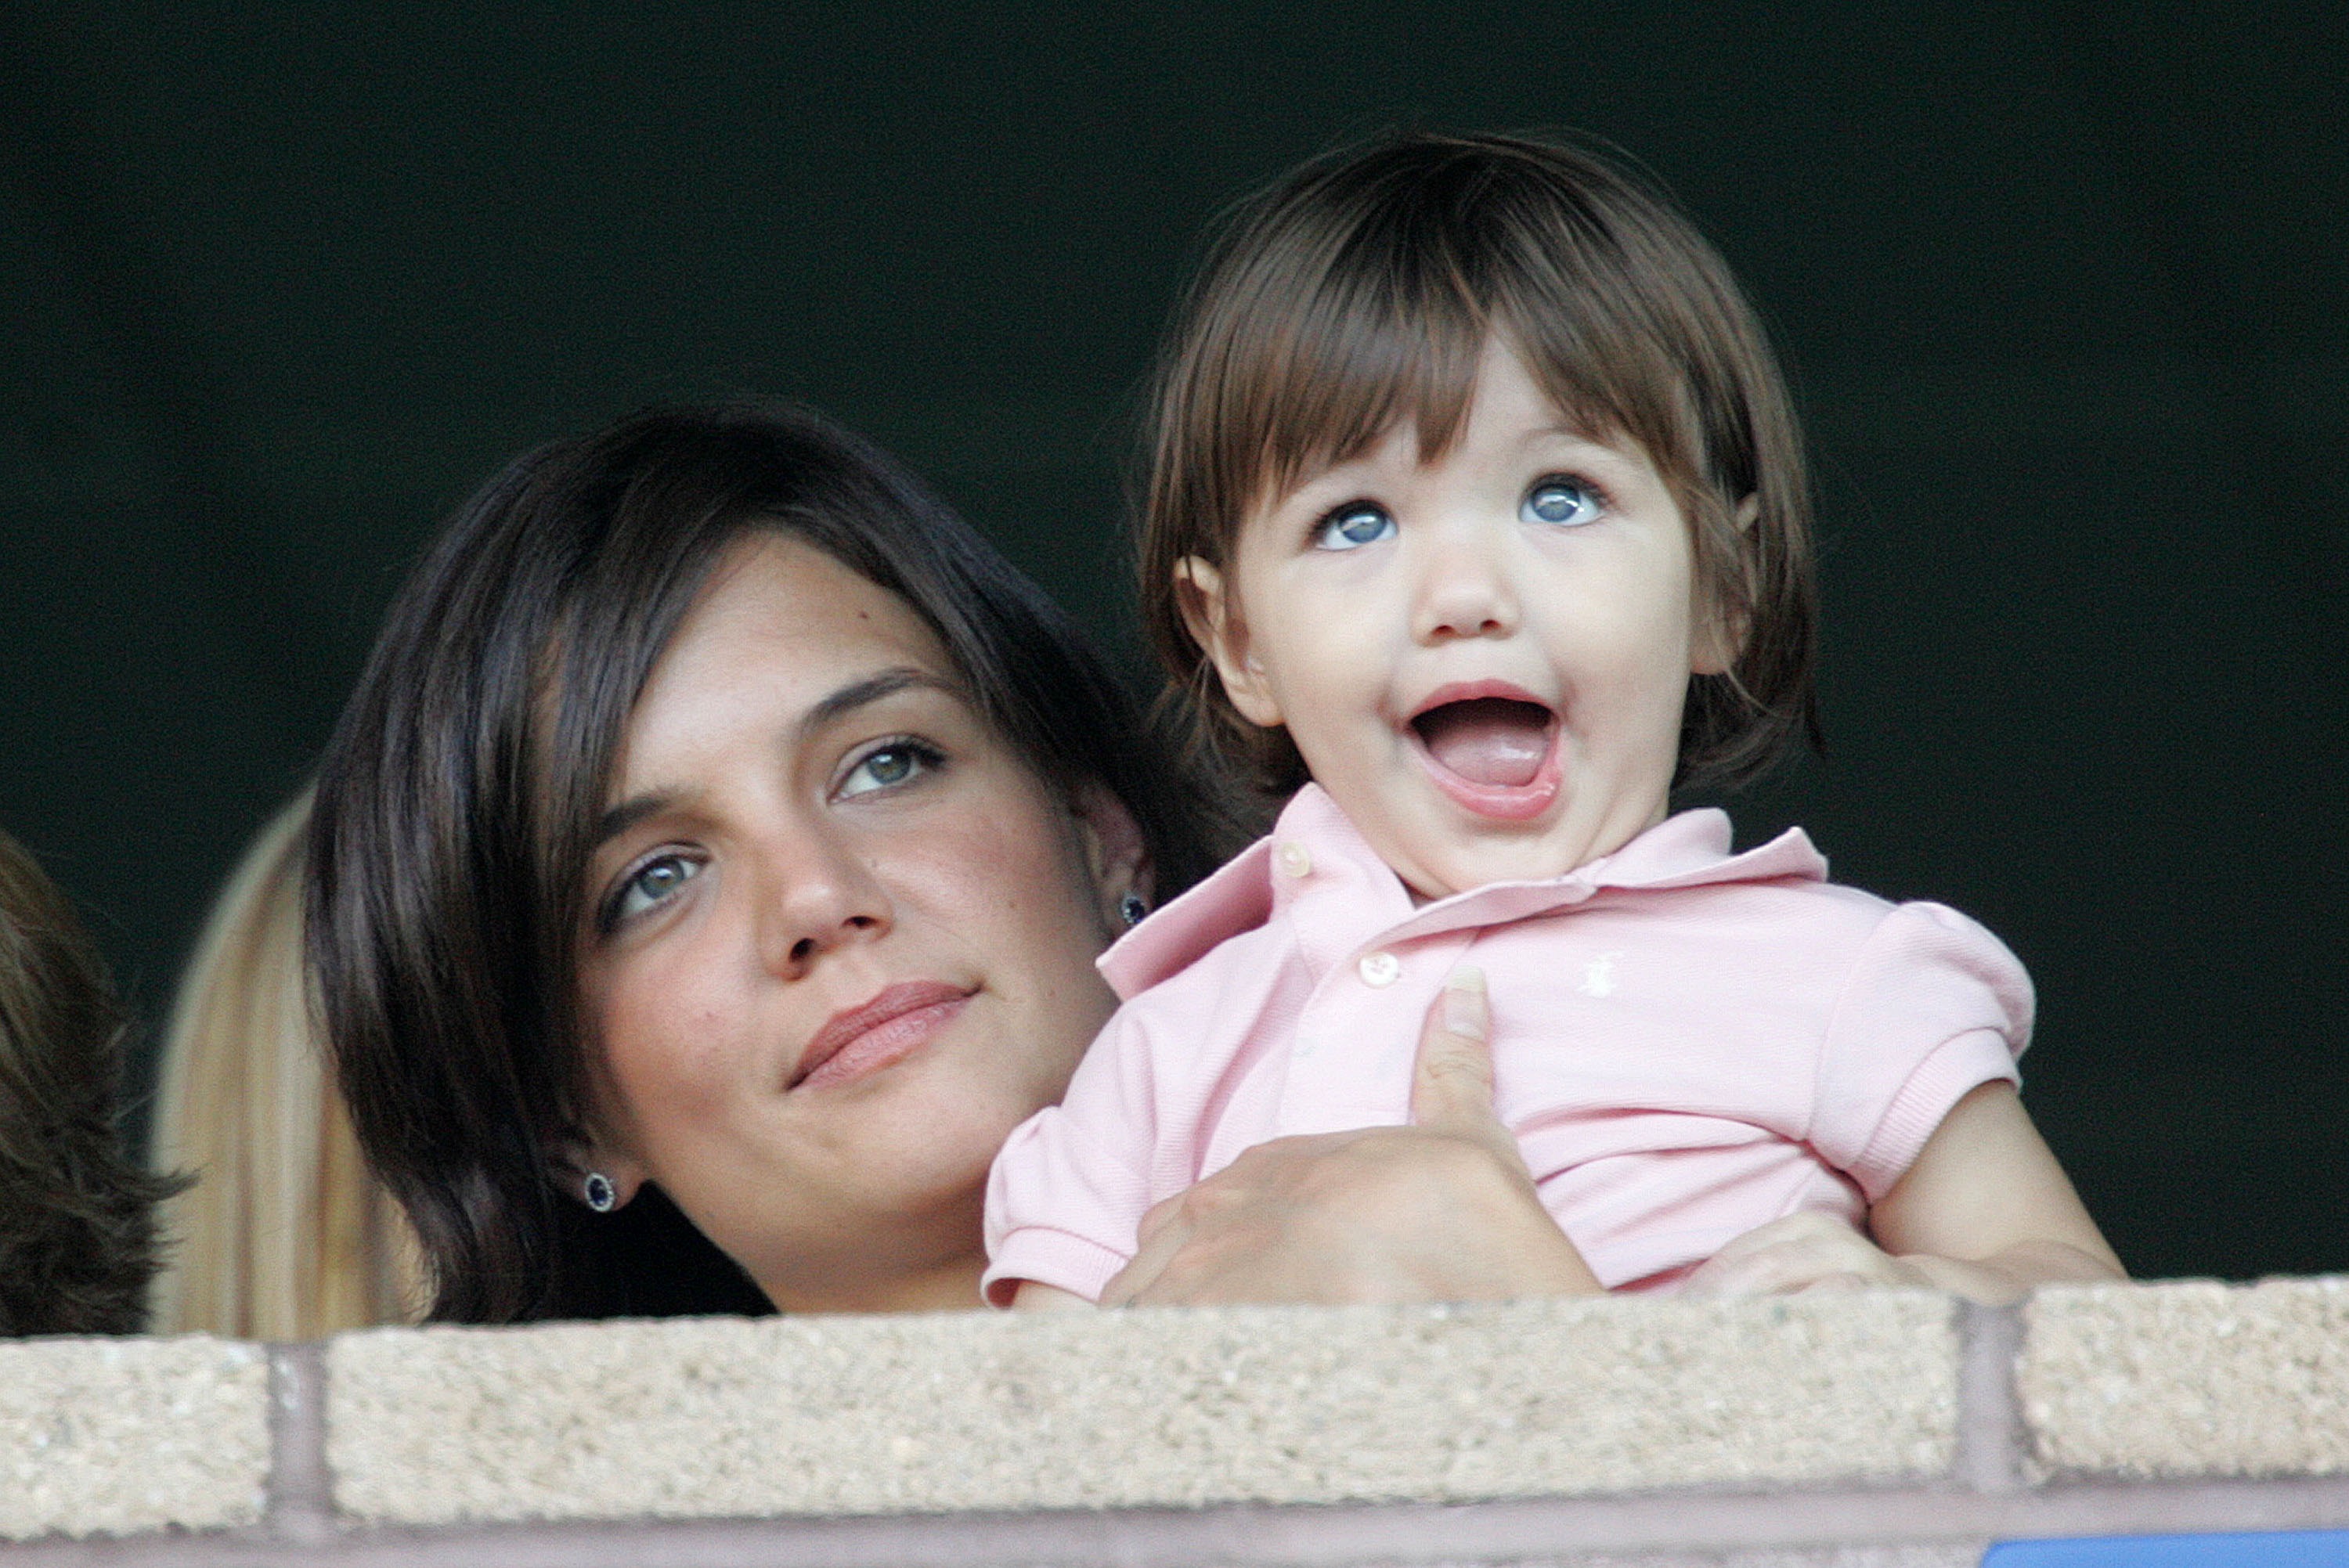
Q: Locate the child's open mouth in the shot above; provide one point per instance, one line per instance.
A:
(1492, 748)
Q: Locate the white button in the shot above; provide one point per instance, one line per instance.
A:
(1380, 968)
(1293, 859)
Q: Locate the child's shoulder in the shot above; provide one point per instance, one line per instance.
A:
(1878, 962)
(1776, 902)
(1201, 937)
(1832, 910)
(1855, 919)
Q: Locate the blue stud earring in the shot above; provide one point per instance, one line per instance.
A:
(601, 1195)
(1130, 909)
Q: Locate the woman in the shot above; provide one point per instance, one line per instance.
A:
(285, 1235)
(720, 827)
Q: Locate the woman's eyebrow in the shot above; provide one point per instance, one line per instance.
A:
(629, 812)
(833, 705)
(856, 694)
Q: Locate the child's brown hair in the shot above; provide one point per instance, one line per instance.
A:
(1359, 291)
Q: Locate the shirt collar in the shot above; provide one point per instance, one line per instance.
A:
(1357, 900)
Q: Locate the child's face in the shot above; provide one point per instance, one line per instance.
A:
(1483, 659)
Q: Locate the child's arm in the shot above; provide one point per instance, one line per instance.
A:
(1036, 1297)
(1985, 1213)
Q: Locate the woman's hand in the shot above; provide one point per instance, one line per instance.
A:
(1984, 1213)
(1442, 1210)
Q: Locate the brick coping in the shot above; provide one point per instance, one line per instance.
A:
(2087, 1411)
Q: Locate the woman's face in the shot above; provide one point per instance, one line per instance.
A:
(841, 938)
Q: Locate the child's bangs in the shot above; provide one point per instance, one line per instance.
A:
(1375, 348)
(1345, 373)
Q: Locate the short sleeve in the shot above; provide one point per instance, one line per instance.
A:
(1932, 1008)
(1068, 1189)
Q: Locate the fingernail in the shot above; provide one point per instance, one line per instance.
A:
(1464, 1002)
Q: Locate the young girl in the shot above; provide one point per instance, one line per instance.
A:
(1477, 520)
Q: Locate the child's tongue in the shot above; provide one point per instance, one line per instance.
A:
(1491, 741)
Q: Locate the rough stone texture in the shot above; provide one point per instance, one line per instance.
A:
(112, 1435)
(722, 1417)
(2190, 1378)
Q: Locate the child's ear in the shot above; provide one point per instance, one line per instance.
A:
(1215, 623)
(1723, 624)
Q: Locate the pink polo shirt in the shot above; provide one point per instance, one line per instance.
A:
(1686, 1043)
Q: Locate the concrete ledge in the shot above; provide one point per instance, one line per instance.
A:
(106, 1437)
(963, 1412)
(2190, 1379)
(1852, 1431)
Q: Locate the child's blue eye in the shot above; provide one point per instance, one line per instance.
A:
(1353, 525)
(886, 766)
(649, 886)
(1559, 501)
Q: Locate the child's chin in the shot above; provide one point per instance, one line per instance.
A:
(1455, 868)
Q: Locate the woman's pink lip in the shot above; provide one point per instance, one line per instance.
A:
(1502, 802)
(863, 1040)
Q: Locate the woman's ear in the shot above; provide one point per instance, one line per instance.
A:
(579, 1161)
(1213, 616)
(1722, 622)
(1117, 857)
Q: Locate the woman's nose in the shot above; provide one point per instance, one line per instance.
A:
(1465, 589)
(821, 896)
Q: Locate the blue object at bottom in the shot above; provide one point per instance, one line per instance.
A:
(2282, 1549)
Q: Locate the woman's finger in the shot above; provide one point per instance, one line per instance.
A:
(1162, 1233)
(1452, 1086)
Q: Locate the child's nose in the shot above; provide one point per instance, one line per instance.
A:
(1465, 591)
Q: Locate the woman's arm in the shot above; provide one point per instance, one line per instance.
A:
(1442, 1210)
(1985, 1213)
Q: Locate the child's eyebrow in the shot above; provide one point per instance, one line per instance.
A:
(1610, 449)
(1566, 429)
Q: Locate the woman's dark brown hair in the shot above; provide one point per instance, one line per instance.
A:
(456, 811)
(76, 1215)
(1359, 291)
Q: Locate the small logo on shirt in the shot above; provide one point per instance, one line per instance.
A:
(1599, 975)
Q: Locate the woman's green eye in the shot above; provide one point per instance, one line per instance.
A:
(1353, 525)
(1559, 501)
(651, 885)
(886, 766)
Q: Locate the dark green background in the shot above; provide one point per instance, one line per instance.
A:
(2062, 288)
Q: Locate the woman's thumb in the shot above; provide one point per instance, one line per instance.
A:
(1453, 1085)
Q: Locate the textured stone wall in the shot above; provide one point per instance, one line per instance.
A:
(1872, 1430)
